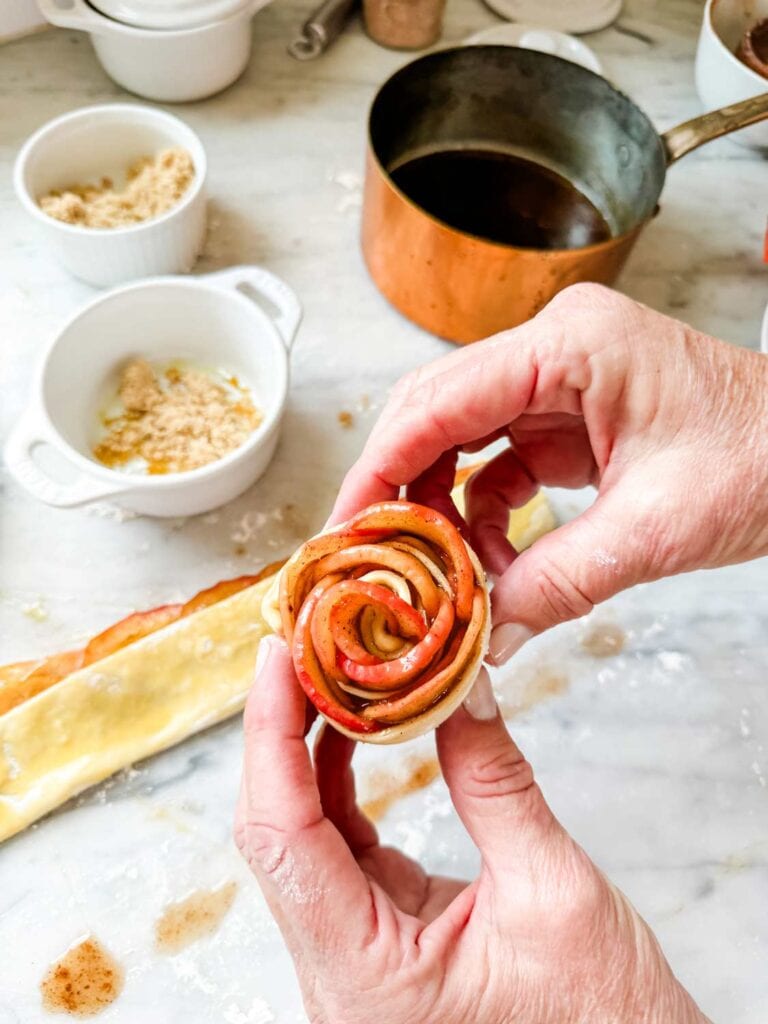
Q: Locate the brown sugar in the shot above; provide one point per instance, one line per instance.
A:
(188, 920)
(177, 420)
(153, 185)
(139, 387)
(83, 981)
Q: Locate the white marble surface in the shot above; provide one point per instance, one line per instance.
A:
(657, 759)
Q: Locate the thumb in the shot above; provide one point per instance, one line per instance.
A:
(491, 784)
(564, 574)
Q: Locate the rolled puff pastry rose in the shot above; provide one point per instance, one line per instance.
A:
(388, 618)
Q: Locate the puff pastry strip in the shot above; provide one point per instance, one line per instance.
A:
(144, 698)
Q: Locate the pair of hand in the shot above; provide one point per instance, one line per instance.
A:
(670, 425)
(540, 937)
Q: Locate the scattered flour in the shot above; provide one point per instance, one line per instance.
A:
(187, 970)
(352, 183)
(249, 527)
(673, 661)
(744, 727)
(349, 180)
(35, 610)
(103, 510)
(259, 1013)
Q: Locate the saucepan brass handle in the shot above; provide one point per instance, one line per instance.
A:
(687, 136)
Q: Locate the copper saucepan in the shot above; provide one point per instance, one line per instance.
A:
(516, 103)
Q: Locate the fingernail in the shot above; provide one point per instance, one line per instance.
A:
(480, 703)
(262, 654)
(506, 640)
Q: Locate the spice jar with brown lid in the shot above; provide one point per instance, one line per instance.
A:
(404, 24)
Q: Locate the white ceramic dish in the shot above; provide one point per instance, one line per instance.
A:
(572, 16)
(170, 65)
(18, 18)
(215, 320)
(764, 332)
(168, 13)
(545, 40)
(721, 78)
(83, 146)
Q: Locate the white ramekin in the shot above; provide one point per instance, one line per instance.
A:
(721, 78)
(169, 65)
(91, 142)
(214, 320)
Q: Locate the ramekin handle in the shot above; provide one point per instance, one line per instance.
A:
(30, 433)
(276, 291)
(73, 14)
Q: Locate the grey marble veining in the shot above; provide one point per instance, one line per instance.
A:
(656, 759)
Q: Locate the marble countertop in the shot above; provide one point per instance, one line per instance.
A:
(656, 759)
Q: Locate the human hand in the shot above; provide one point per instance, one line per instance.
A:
(539, 937)
(669, 424)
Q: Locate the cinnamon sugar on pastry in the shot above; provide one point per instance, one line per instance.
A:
(154, 184)
(177, 420)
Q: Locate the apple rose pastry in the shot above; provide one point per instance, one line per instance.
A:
(387, 617)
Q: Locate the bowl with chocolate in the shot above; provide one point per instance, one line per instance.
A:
(732, 59)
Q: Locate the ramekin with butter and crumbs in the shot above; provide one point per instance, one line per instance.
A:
(179, 413)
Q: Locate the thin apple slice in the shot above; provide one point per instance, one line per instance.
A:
(133, 627)
(25, 679)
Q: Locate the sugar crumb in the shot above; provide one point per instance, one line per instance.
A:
(153, 185)
(35, 610)
(175, 420)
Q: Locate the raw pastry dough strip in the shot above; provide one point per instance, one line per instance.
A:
(148, 695)
(25, 679)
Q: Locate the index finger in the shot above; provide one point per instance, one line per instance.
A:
(457, 400)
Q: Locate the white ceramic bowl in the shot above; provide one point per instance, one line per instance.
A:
(721, 78)
(545, 40)
(577, 16)
(91, 142)
(213, 320)
(170, 65)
